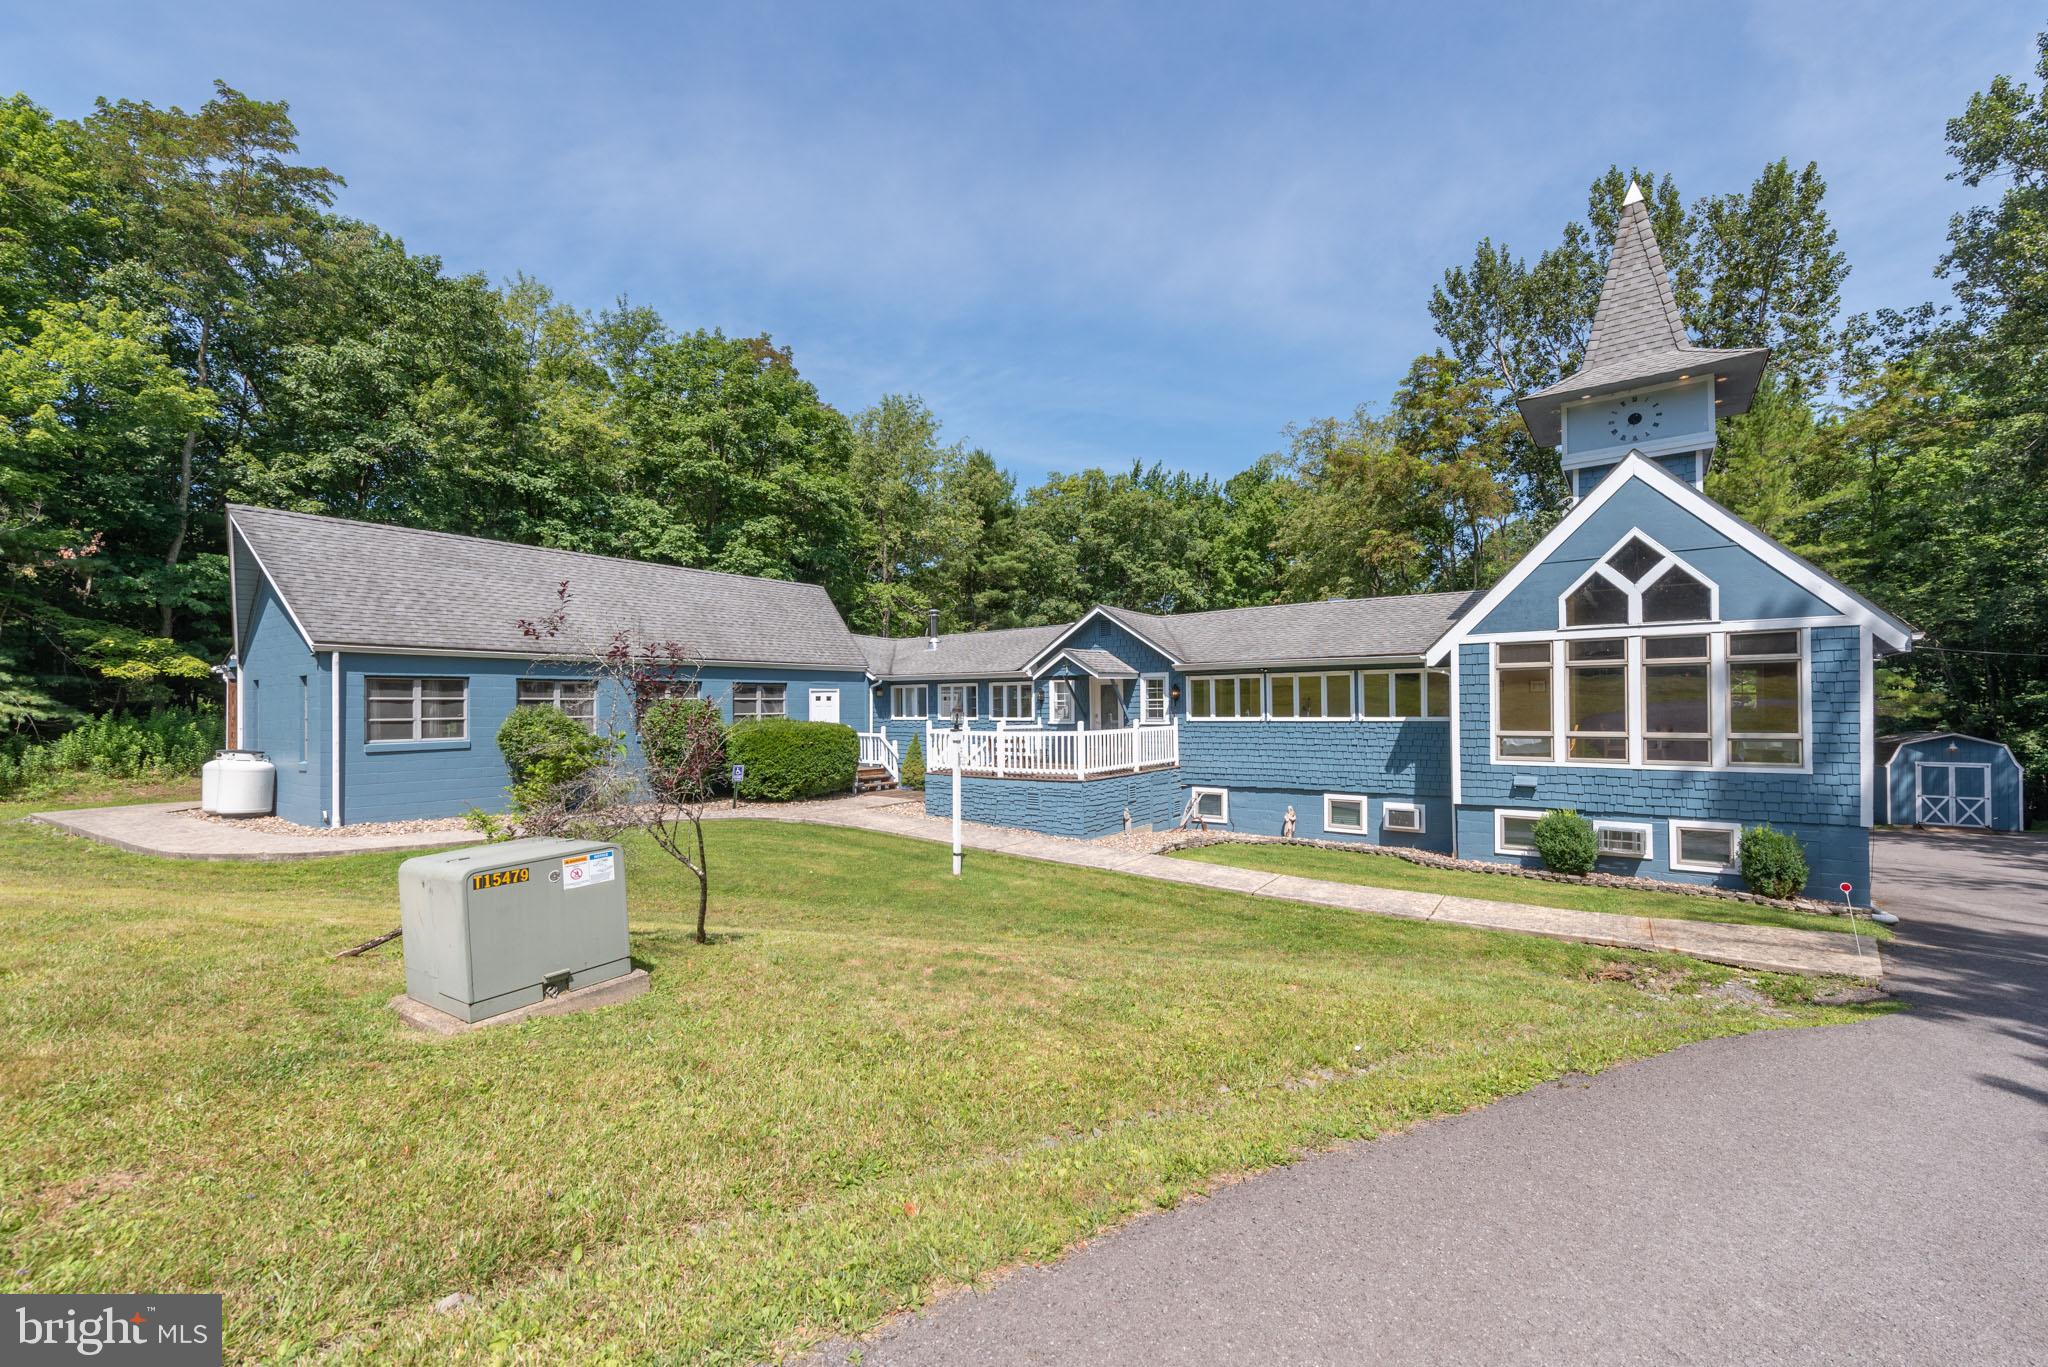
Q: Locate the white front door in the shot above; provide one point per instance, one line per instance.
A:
(824, 704)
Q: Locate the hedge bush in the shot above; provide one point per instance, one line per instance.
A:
(546, 751)
(913, 764)
(666, 734)
(171, 743)
(1773, 862)
(787, 760)
(1566, 841)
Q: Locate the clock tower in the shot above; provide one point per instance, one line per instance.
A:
(1642, 386)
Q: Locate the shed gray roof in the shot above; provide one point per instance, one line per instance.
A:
(961, 654)
(1301, 633)
(1887, 746)
(365, 584)
(1639, 337)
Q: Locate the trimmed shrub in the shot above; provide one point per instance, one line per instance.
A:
(1773, 863)
(171, 743)
(787, 760)
(547, 752)
(913, 764)
(671, 728)
(1566, 841)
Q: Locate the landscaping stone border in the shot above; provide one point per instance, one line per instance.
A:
(1431, 859)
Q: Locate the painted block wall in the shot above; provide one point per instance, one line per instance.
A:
(1898, 795)
(1750, 588)
(1083, 810)
(285, 705)
(1826, 805)
(398, 781)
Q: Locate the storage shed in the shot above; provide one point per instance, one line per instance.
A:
(1941, 778)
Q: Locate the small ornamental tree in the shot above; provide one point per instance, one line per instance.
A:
(683, 742)
(1566, 841)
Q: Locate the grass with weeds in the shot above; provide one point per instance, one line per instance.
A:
(876, 1083)
(1384, 871)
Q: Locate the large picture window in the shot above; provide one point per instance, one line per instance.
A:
(1011, 702)
(1597, 700)
(574, 698)
(407, 709)
(1397, 695)
(1523, 725)
(907, 702)
(1228, 697)
(959, 700)
(1764, 724)
(751, 701)
(1677, 700)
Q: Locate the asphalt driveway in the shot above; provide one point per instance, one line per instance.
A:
(1877, 1192)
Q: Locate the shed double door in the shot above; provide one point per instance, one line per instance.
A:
(1953, 794)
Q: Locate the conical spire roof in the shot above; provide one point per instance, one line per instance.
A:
(1639, 336)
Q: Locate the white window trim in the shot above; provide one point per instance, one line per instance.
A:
(1717, 699)
(1350, 677)
(554, 698)
(1501, 817)
(1639, 704)
(1195, 795)
(419, 720)
(1734, 864)
(1364, 826)
(1627, 735)
(733, 700)
(1641, 828)
(1432, 679)
(1211, 679)
(1060, 708)
(1421, 812)
(1145, 682)
(972, 694)
(1634, 592)
(997, 692)
(919, 711)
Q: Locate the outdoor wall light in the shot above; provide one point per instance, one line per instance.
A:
(1176, 692)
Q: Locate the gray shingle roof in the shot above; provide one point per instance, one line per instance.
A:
(367, 584)
(1301, 633)
(1638, 336)
(1103, 664)
(961, 654)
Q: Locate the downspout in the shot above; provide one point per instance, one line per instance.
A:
(334, 746)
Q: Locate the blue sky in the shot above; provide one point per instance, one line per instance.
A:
(1084, 234)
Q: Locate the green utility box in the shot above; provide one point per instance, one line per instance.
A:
(497, 927)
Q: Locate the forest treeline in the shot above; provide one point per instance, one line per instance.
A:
(187, 319)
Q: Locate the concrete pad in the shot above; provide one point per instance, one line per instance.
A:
(175, 830)
(434, 1021)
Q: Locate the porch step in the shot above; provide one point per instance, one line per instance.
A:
(872, 778)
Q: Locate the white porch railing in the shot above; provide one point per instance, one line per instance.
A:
(1052, 754)
(877, 750)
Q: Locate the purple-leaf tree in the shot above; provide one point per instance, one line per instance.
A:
(678, 742)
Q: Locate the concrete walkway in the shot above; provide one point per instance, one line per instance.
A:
(175, 830)
(1765, 947)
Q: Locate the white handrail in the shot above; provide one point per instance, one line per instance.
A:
(1052, 753)
(877, 749)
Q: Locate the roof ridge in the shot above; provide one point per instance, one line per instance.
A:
(233, 508)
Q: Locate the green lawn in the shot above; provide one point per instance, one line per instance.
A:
(1382, 871)
(878, 1082)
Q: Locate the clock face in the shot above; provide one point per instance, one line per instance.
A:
(1631, 418)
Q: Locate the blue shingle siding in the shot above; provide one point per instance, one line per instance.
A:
(1750, 588)
(1825, 807)
(1266, 766)
(1084, 810)
(1897, 783)
(274, 660)
(406, 780)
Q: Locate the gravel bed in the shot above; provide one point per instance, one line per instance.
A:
(277, 825)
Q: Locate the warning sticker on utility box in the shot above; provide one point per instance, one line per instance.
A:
(587, 870)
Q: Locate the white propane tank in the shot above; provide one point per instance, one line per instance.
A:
(238, 783)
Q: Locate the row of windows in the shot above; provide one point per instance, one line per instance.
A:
(432, 708)
(1015, 701)
(1701, 701)
(1343, 813)
(1696, 846)
(1371, 695)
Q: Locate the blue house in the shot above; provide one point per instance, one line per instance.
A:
(375, 663)
(1654, 662)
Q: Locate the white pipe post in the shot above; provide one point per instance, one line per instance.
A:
(958, 746)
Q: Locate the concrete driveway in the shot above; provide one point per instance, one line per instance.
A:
(1874, 1193)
